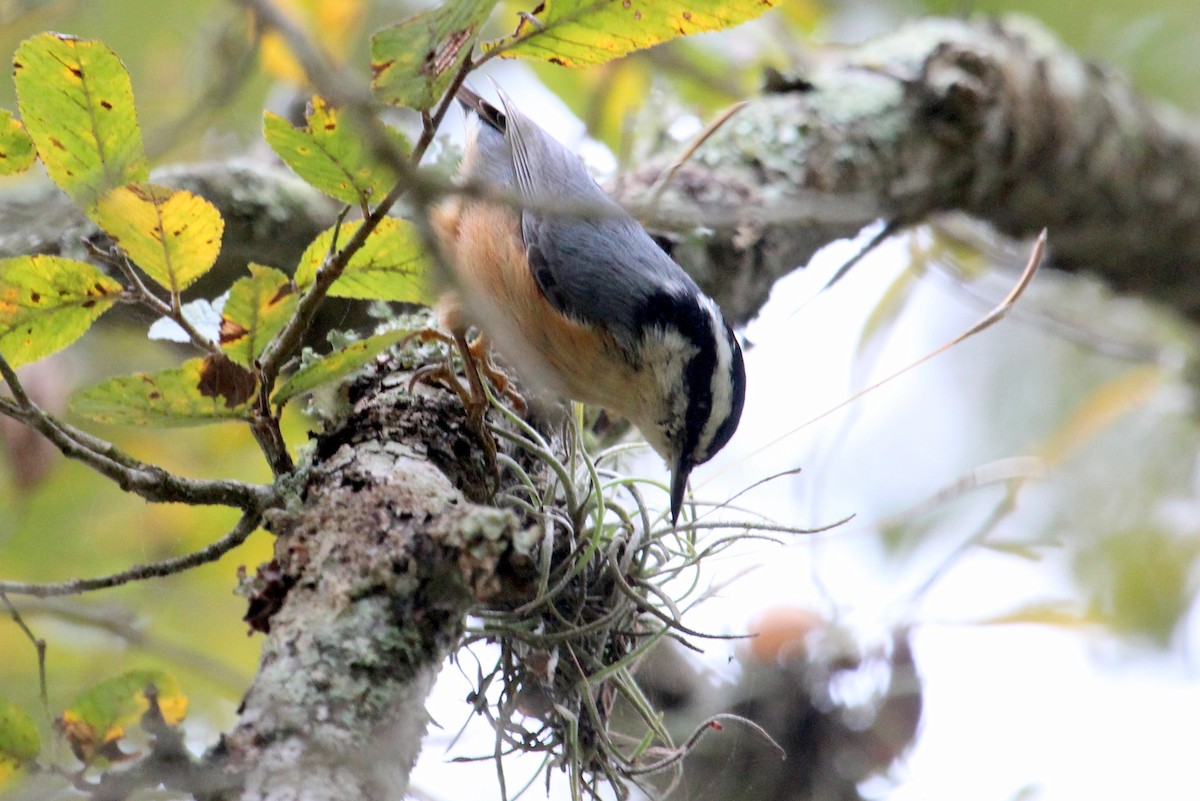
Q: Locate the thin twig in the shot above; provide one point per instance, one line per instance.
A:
(39, 646)
(210, 553)
(665, 177)
(120, 622)
(141, 294)
(143, 479)
(991, 318)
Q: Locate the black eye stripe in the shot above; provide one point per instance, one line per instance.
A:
(683, 314)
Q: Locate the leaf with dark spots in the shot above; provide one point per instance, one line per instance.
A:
(220, 377)
(47, 302)
(231, 332)
(332, 156)
(200, 391)
(76, 102)
(577, 33)
(257, 309)
(413, 61)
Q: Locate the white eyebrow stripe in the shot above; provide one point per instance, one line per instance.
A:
(721, 386)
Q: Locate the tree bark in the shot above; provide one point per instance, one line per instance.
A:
(994, 119)
(372, 579)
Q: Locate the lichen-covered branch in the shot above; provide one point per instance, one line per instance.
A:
(994, 119)
(366, 597)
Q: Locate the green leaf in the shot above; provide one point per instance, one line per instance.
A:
(413, 62)
(257, 309)
(173, 235)
(336, 364)
(208, 390)
(575, 33)
(47, 302)
(17, 153)
(99, 715)
(391, 264)
(330, 156)
(77, 104)
(19, 740)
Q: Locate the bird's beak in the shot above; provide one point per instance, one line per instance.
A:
(679, 478)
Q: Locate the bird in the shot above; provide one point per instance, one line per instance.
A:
(573, 292)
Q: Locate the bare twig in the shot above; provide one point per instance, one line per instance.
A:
(139, 293)
(39, 646)
(665, 178)
(145, 480)
(210, 553)
(991, 318)
(121, 622)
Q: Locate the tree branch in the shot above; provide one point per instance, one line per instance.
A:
(994, 119)
(167, 567)
(371, 581)
(141, 478)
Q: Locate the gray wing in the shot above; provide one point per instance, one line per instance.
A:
(600, 268)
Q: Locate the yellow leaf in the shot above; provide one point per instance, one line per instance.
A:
(77, 103)
(329, 156)
(391, 264)
(19, 740)
(173, 235)
(200, 391)
(257, 308)
(574, 33)
(99, 715)
(47, 302)
(17, 152)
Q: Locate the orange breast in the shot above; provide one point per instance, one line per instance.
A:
(497, 293)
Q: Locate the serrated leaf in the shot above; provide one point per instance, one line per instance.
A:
(47, 302)
(258, 307)
(391, 265)
(329, 156)
(77, 104)
(413, 62)
(17, 152)
(100, 714)
(575, 33)
(19, 739)
(335, 365)
(208, 390)
(173, 235)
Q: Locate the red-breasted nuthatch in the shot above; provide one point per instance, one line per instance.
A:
(578, 297)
